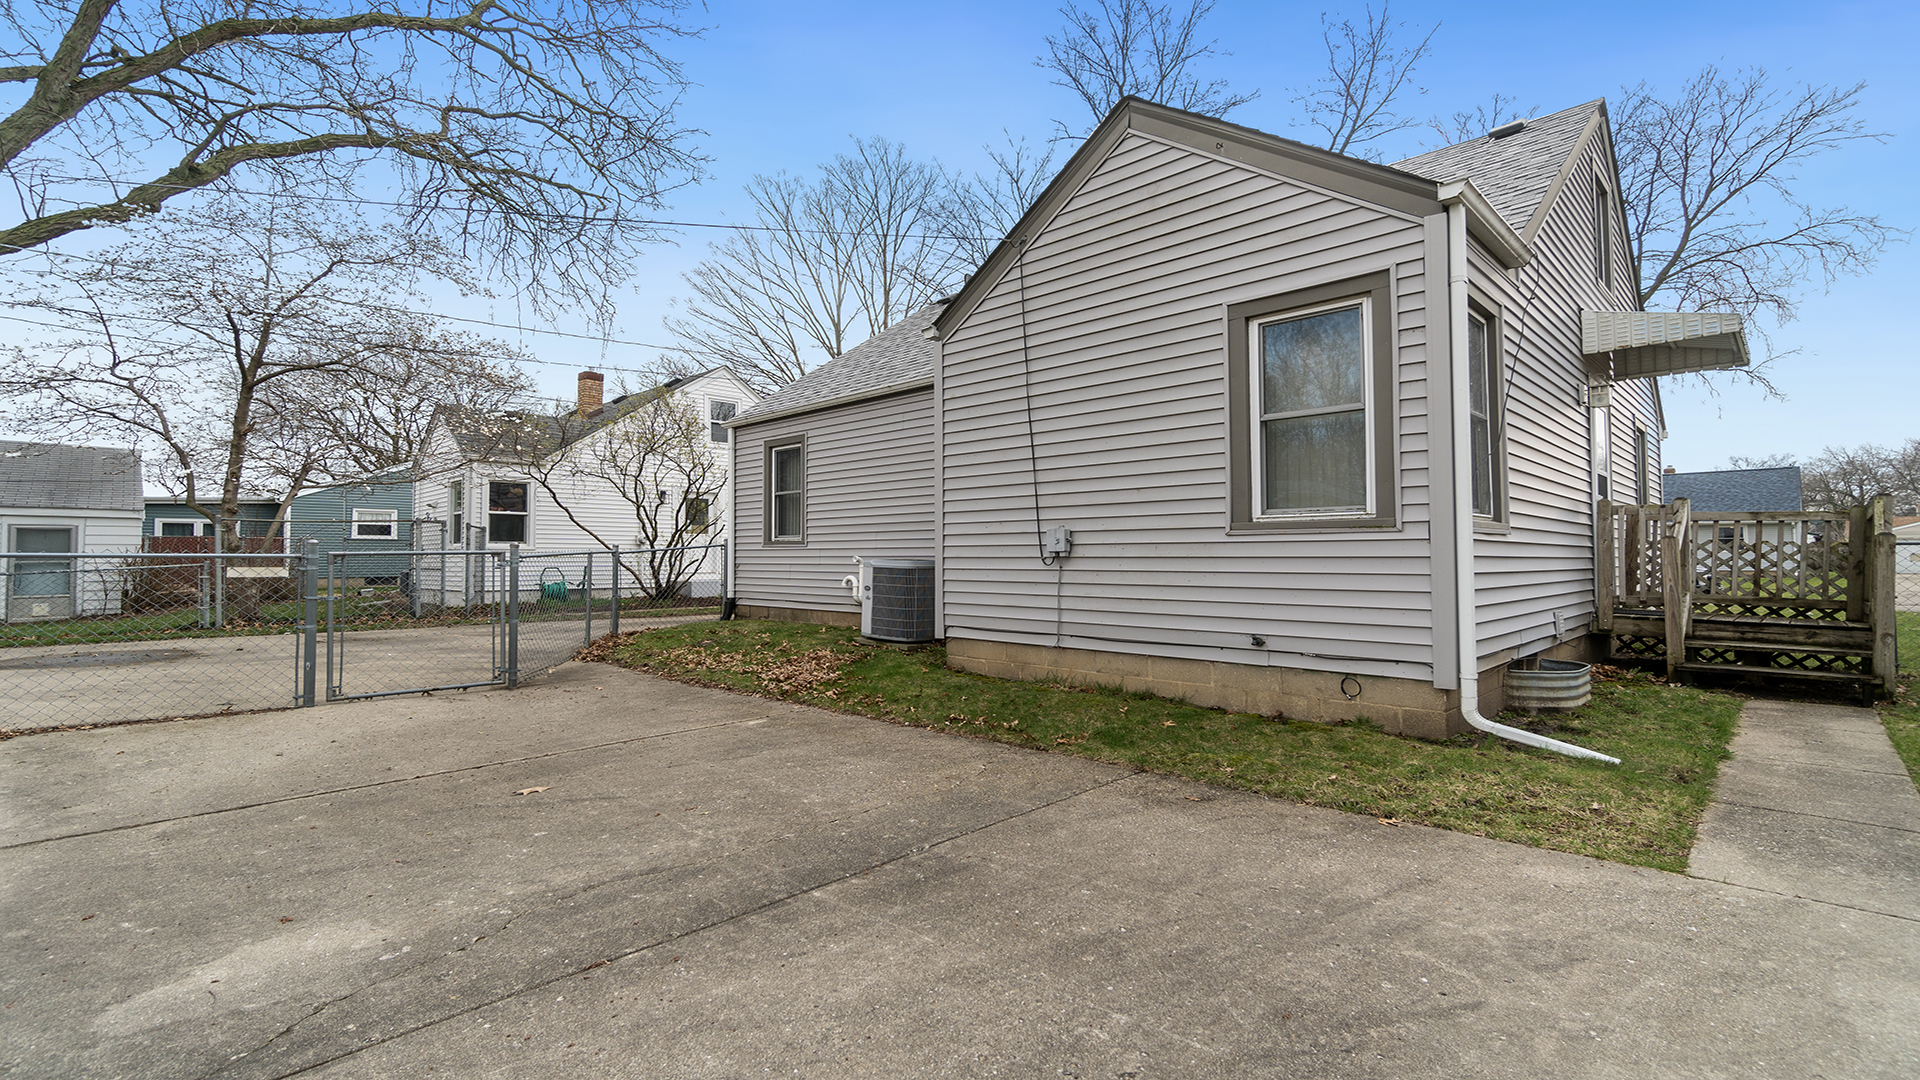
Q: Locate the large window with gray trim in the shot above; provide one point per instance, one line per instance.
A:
(1310, 408)
(786, 493)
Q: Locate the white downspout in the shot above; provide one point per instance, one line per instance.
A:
(1468, 626)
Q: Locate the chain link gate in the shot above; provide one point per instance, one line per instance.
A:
(91, 638)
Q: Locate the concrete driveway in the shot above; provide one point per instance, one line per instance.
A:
(712, 885)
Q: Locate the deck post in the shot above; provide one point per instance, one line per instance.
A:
(1675, 584)
(1881, 611)
(1859, 541)
(1603, 569)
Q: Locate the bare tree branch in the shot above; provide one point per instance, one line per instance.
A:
(1354, 102)
(1708, 181)
(1136, 48)
(978, 212)
(537, 133)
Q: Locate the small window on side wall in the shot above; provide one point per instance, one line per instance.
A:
(375, 524)
(718, 413)
(506, 512)
(1602, 235)
(1642, 461)
(1485, 398)
(786, 493)
(1310, 408)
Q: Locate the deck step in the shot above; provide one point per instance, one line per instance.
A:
(1694, 666)
(1778, 646)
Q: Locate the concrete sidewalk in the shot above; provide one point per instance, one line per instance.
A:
(1815, 805)
(702, 884)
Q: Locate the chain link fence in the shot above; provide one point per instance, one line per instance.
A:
(88, 638)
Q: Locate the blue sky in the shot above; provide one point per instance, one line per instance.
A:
(784, 86)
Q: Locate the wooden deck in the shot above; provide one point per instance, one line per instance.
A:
(1800, 596)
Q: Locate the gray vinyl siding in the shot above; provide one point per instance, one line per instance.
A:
(869, 492)
(1125, 296)
(1541, 565)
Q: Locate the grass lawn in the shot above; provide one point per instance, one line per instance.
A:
(1671, 739)
(1901, 714)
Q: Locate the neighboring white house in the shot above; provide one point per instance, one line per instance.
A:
(1327, 435)
(523, 478)
(57, 500)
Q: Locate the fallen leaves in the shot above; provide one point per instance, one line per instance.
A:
(532, 790)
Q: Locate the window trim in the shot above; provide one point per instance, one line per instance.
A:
(1374, 293)
(525, 516)
(1602, 234)
(198, 524)
(1642, 462)
(769, 514)
(361, 515)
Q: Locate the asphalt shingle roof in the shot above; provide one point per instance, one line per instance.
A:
(524, 435)
(1735, 489)
(900, 355)
(1514, 173)
(51, 476)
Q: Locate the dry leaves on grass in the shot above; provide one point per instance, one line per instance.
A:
(777, 671)
(602, 649)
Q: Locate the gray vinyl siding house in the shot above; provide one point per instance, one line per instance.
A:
(863, 424)
(1316, 530)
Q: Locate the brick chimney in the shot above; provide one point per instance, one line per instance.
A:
(593, 392)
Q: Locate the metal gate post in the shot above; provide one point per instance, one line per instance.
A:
(513, 616)
(587, 579)
(613, 594)
(310, 619)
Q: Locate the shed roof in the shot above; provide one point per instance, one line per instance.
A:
(1735, 489)
(1516, 172)
(51, 476)
(898, 357)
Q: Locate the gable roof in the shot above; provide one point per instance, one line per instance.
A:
(525, 434)
(1515, 173)
(1735, 489)
(1525, 168)
(897, 358)
(51, 476)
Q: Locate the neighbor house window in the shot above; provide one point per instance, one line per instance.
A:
(178, 527)
(457, 502)
(1483, 394)
(699, 513)
(376, 524)
(786, 492)
(1310, 403)
(718, 413)
(506, 513)
(1602, 235)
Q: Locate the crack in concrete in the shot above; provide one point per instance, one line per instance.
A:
(1810, 814)
(1807, 899)
(378, 784)
(913, 852)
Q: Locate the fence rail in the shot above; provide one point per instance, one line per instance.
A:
(93, 637)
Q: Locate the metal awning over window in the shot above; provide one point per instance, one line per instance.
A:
(1642, 343)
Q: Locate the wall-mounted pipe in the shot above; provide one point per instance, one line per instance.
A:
(1467, 626)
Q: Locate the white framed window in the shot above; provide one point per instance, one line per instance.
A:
(506, 512)
(182, 527)
(1642, 461)
(787, 492)
(1312, 369)
(1310, 406)
(1602, 235)
(718, 413)
(457, 513)
(376, 524)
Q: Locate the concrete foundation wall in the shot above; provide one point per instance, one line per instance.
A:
(1401, 706)
(814, 616)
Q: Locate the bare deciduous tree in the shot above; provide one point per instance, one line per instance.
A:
(653, 451)
(828, 264)
(1353, 103)
(1840, 477)
(539, 131)
(1137, 48)
(230, 339)
(1708, 181)
(1477, 121)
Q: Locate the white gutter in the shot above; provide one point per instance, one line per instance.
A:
(1467, 628)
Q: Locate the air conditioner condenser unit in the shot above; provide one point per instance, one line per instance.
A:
(896, 600)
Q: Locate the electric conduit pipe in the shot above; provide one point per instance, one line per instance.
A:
(1467, 628)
